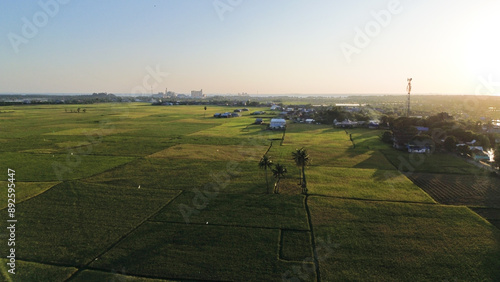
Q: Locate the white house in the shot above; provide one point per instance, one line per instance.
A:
(277, 123)
(415, 149)
(346, 123)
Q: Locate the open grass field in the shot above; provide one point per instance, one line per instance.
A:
(134, 192)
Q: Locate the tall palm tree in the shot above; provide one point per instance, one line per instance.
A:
(302, 159)
(278, 172)
(265, 163)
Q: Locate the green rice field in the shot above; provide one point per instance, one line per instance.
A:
(135, 192)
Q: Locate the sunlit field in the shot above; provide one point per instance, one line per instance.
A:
(137, 192)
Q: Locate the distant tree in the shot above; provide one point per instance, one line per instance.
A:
(84, 110)
(387, 137)
(483, 140)
(65, 110)
(278, 172)
(439, 118)
(496, 157)
(266, 163)
(386, 120)
(450, 143)
(462, 134)
(422, 138)
(361, 117)
(405, 122)
(464, 150)
(205, 112)
(327, 116)
(302, 159)
(78, 110)
(403, 135)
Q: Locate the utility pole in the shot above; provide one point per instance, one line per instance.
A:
(408, 88)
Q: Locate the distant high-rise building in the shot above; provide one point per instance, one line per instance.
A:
(197, 94)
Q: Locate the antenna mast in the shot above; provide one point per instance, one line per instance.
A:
(408, 88)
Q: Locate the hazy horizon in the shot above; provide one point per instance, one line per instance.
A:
(256, 95)
(220, 46)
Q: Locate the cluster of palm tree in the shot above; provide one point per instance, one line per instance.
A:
(278, 171)
(301, 158)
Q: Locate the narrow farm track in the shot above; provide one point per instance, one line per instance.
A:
(313, 241)
(229, 225)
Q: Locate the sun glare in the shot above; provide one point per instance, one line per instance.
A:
(483, 52)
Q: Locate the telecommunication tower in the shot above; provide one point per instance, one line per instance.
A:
(408, 88)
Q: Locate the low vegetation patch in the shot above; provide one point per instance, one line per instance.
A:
(270, 211)
(73, 222)
(394, 241)
(211, 153)
(370, 184)
(173, 251)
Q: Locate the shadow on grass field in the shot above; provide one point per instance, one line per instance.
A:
(73, 222)
(394, 242)
(174, 251)
(266, 211)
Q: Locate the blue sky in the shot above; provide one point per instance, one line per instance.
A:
(253, 46)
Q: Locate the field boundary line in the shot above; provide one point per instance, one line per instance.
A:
(485, 218)
(379, 200)
(280, 244)
(86, 266)
(228, 225)
(281, 257)
(58, 264)
(152, 277)
(313, 240)
(36, 195)
(120, 165)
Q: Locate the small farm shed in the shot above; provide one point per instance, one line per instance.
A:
(277, 123)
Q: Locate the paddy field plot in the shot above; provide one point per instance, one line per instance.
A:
(395, 241)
